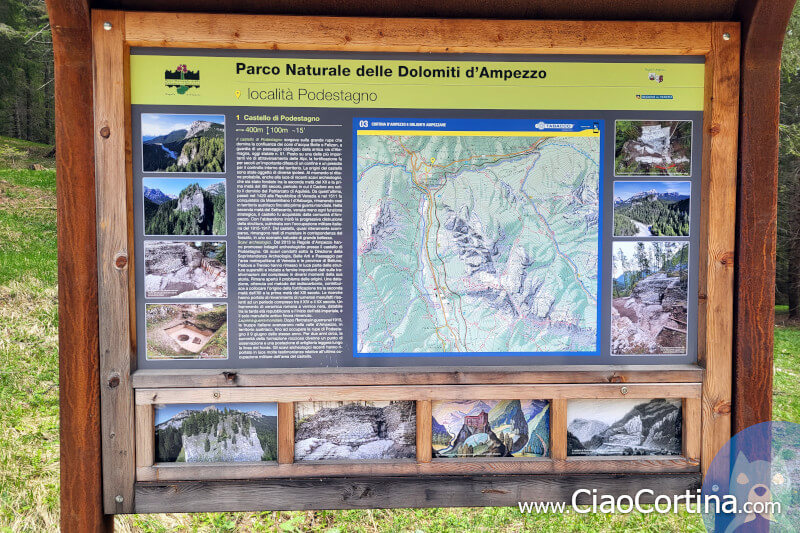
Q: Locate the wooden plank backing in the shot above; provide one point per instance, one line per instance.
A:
(395, 492)
(414, 35)
(424, 431)
(416, 392)
(558, 428)
(116, 353)
(692, 430)
(594, 465)
(285, 432)
(718, 239)
(264, 377)
(145, 436)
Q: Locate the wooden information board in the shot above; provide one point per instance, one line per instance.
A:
(402, 263)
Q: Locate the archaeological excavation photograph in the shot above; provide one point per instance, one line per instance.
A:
(185, 269)
(491, 428)
(216, 433)
(653, 148)
(649, 297)
(355, 430)
(624, 427)
(186, 331)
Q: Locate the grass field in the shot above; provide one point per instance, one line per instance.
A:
(29, 396)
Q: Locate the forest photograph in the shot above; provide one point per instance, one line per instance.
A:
(184, 206)
(651, 208)
(183, 143)
(216, 433)
(649, 298)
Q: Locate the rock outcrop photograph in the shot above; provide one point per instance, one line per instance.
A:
(653, 148)
(491, 428)
(216, 433)
(185, 269)
(179, 206)
(355, 430)
(624, 427)
(649, 306)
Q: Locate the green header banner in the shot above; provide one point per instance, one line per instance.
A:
(397, 84)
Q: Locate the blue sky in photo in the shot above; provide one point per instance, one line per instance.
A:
(173, 186)
(155, 124)
(626, 189)
(629, 249)
(165, 412)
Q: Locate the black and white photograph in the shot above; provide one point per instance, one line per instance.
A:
(355, 430)
(599, 427)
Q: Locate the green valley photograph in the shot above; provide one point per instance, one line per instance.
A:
(183, 143)
(651, 208)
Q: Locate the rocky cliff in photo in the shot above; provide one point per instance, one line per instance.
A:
(214, 435)
(355, 430)
(199, 148)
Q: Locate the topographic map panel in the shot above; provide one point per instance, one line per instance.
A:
(477, 243)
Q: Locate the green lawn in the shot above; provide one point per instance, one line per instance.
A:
(29, 396)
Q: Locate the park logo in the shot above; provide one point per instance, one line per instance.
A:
(182, 79)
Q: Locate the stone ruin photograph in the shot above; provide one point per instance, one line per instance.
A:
(186, 331)
(624, 427)
(355, 430)
(649, 305)
(186, 269)
(216, 433)
(491, 428)
(653, 148)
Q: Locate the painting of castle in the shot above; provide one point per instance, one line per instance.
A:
(491, 428)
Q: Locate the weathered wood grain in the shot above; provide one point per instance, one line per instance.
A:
(558, 428)
(330, 469)
(265, 377)
(145, 436)
(415, 392)
(414, 35)
(424, 431)
(111, 177)
(692, 429)
(285, 432)
(763, 31)
(717, 235)
(394, 492)
(79, 378)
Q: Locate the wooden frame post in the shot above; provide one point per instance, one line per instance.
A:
(79, 380)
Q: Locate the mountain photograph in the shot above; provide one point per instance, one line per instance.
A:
(183, 143)
(183, 206)
(649, 297)
(653, 148)
(186, 331)
(624, 427)
(216, 433)
(353, 430)
(651, 208)
(491, 428)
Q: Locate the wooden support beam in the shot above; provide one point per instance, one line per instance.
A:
(764, 24)
(79, 379)
(112, 166)
(395, 492)
(424, 431)
(285, 432)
